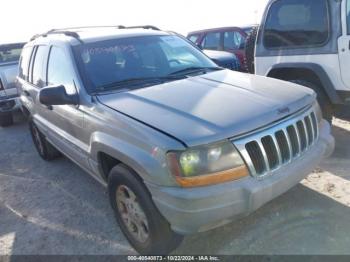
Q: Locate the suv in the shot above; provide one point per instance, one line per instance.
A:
(307, 42)
(229, 39)
(183, 146)
(9, 56)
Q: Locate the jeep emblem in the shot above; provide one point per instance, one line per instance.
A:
(283, 110)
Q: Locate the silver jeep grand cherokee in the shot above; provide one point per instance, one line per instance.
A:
(183, 145)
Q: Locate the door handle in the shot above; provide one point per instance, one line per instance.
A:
(26, 93)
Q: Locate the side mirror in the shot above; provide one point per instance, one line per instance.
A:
(56, 95)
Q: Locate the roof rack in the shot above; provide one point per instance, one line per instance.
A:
(57, 31)
(141, 26)
(91, 27)
(67, 32)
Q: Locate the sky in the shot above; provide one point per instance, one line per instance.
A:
(25, 18)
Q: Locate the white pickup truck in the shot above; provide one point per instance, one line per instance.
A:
(9, 57)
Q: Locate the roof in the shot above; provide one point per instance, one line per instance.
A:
(215, 29)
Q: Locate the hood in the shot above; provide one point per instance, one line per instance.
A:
(211, 107)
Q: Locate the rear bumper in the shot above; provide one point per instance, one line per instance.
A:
(191, 210)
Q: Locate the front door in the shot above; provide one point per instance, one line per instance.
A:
(66, 121)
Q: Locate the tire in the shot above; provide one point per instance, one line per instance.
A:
(323, 100)
(250, 50)
(124, 186)
(44, 148)
(6, 119)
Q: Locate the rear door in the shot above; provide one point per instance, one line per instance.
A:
(344, 44)
(32, 77)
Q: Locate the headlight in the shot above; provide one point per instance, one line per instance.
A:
(210, 164)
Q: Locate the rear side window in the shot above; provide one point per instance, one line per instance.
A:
(295, 23)
(10, 53)
(60, 70)
(193, 38)
(24, 62)
(39, 67)
(211, 41)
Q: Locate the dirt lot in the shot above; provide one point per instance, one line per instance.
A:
(55, 208)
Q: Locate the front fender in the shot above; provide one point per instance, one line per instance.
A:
(150, 163)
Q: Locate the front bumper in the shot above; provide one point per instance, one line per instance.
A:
(191, 210)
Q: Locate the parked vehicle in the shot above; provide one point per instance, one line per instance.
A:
(248, 29)
(229, 39)
(221, 58)
(224, 59)
(184, 146)
(9, 56)
(307, 42)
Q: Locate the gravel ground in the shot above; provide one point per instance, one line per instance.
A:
(56, 208)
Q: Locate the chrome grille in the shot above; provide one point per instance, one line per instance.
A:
(271, 148)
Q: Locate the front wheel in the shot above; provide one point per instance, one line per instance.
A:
(139, 219)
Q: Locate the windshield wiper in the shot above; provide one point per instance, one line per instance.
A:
(195, 69)
(137, 81)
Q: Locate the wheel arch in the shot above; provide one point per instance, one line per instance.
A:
(107, 151)
(308, 72)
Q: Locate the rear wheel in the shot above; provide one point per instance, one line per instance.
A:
(44, 148)
(139, 219)
(6, 119)
(323, 100)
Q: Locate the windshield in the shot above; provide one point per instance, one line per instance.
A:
(109, 63)
(10, 53)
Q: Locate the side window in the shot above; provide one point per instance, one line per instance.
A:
(295, 23)
(193, 38)
(24, 62)
(59, 70)
(233, 40)
(39, 67)
(211, 41)
(348, 15)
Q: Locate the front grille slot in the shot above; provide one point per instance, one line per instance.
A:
(283, 145)
(293, 137)
(302, 135)
(314, 123)
(271, 151)
(268, 150)
(309, 130)
(256, 156)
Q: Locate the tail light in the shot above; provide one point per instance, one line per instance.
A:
(1, 85)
